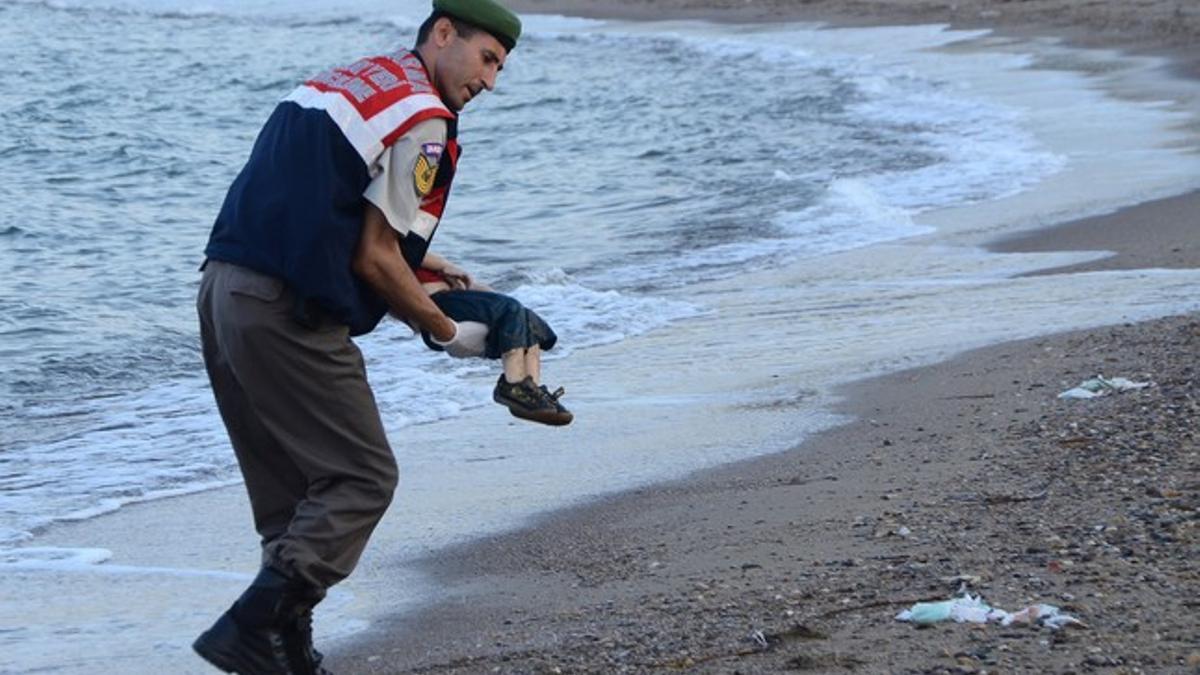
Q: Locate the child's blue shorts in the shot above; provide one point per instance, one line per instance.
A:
(510, 324)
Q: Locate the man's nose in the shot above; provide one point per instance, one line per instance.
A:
(489, 78)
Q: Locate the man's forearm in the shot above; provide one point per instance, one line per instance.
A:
(381, 265)
(434, 262)
(406, 297)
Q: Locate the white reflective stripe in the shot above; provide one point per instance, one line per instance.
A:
(343, 114)
(423, 224)
(365, 135)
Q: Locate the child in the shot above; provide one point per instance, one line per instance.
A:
(516, 335)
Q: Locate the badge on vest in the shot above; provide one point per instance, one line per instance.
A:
(425, 170)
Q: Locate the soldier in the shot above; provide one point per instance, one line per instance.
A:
(316, 241)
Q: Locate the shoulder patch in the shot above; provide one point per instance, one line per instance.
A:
(433, 150)
(426, 167)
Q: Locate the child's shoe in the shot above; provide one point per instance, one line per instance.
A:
(528, 401)
(554, 396)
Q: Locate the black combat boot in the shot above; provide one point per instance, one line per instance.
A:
(297, 636)
(249, 638)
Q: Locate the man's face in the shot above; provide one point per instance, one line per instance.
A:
(466, 67)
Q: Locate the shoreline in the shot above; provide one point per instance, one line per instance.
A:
(1160, 233)
(985, 469)
(616, 585)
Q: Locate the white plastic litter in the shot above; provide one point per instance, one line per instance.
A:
(1046, 615)
(1100, 385)
(968, 608)
(972, 609)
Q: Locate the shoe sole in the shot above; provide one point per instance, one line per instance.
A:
(215, 658)
(552, 418)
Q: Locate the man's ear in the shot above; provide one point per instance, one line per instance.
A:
(443, 31)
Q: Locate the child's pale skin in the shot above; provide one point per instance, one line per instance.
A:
(518, 363)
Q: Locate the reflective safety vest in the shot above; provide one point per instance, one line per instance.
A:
(295, 211)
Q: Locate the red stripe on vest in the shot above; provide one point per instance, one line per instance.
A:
(373, 84)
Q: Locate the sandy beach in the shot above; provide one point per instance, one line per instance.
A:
(970, 475)
(1144, 25)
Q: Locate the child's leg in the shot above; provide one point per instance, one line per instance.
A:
(515, 369)
(516, 336)
(533, 363)
(522, 363)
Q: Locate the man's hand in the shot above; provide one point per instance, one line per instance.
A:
(455, 276)
(458, 278)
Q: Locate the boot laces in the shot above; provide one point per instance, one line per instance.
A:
(301, 639)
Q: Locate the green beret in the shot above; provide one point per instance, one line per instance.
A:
(488, 15)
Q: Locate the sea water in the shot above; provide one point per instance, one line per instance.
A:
(606, 167)
(699, 211)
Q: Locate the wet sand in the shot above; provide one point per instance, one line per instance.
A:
(1164, 233)
(967, 475)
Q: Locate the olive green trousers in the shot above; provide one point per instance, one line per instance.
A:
(302, 421)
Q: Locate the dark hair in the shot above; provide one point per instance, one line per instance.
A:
(464, 29)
